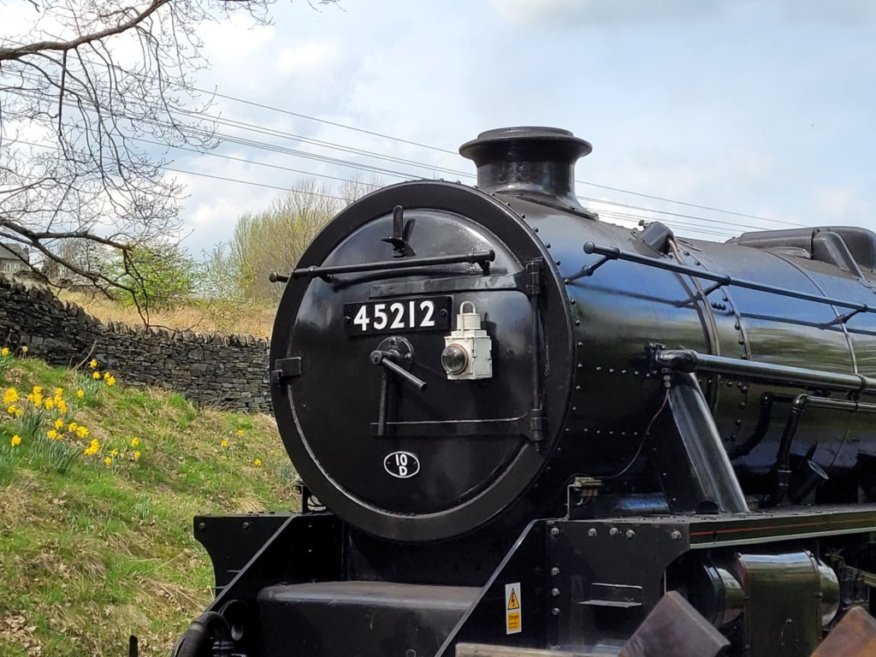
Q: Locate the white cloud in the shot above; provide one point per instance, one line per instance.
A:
(308, 57)
(837, 204)
(601, 12)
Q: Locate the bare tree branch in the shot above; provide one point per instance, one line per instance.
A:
(84, 129)
(72, 44)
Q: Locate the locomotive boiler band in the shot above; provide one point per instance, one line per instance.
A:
(490, 389)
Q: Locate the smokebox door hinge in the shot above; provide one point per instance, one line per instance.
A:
(534, 277)
(285, 369)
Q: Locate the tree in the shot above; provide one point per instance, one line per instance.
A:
(274, 239)
(91, 97)
(167, 275)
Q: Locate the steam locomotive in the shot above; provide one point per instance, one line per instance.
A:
(521, 428)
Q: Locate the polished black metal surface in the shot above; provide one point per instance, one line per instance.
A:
(660, 414)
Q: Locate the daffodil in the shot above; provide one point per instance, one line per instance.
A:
(82, 432)
(15, 441)
(224, 444)
(108, 461)
(92, 364)
(80, 393)
(10, 396)
(136, 455)
(53, 435)
(135, 442)
(111, 381)
(95, 376)
(4, 352)
(240, 432)
(114, 453)
(59, 424)
(50, 404)
(257, 463)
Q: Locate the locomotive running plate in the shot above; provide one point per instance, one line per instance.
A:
(422, 314)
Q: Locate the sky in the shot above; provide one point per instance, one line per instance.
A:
(760, 108)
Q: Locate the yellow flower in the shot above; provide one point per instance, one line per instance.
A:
(15, 411)
(257, 463)
(135, 442)
(224, 444)
(16, 441)
(24, 349)
(59, 423)
(10, 396)
(50, 404)
(136, 455)
(61, 405)
(80, 393)
(37, 390)
(72, 427)
(240, 432)
(59, 392)
(93, 364)
(111, 381)
(93, 448)
(53, 435)
(82, 432)
(4, 352)
(108, 461)
(95, 375)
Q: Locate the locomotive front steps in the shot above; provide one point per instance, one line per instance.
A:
(367, 619)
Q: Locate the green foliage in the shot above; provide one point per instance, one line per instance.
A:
(162, 276)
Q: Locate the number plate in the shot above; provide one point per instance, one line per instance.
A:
(429, 314)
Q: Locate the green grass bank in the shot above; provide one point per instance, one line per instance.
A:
(98, 486)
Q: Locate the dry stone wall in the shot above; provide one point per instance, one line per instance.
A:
(227, 371)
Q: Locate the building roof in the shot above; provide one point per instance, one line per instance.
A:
(13, 252)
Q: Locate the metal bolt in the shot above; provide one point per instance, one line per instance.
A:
(202, 526)
(591, 532)
(613, 531)
(555, 611)
(555, 531)
(246, 524)
(630, 534)
(555, 592)
(675, 534)
(555, 571)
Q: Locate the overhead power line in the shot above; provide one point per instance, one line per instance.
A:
(241, 125)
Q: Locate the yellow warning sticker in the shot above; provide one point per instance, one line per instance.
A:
(513, 609)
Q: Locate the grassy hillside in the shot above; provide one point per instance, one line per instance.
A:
(98, 485)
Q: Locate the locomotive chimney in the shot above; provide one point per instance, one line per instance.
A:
(528, 160)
